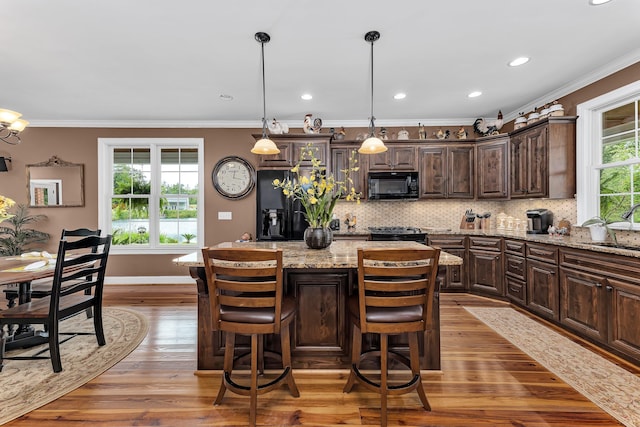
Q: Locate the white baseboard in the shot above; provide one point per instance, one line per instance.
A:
(149, 280)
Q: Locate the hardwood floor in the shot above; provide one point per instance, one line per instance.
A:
(485, 381)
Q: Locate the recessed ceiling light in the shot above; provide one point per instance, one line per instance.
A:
(598, 2)
(306, 96)
(474, 94)
(400, 95)
(226, 97)
(519, 61)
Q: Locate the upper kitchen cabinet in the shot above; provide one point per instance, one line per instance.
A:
(291, 146)
(543, 159)
(397, 157)
(447, 171)
(340, 155)
(492, 166)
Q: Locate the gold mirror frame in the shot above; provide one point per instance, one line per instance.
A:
(55, 184)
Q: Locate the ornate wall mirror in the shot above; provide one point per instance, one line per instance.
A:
(55, 183)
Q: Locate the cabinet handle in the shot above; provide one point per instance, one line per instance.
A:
(513, 289)
(609, 288)
(598, 285)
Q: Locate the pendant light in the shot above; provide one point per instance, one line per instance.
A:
(372, 144)
(264, 145)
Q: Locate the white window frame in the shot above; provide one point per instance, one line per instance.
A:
(105, 189)
(589, 149)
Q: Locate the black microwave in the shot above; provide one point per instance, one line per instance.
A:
(392, 185)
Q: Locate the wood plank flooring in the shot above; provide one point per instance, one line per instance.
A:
(485, 381)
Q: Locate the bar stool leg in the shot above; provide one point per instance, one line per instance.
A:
(285, 344)
(253, 405)
(228, 364)
(356, 347)
(415, 368)
(383, 379)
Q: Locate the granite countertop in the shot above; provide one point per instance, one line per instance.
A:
(340, 254)
(566, 241)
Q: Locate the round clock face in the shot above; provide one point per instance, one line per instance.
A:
(233, 177)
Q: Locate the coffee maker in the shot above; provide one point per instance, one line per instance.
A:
(539, 221)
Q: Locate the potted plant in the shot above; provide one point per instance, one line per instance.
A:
(599, 228)
(318, 193)
(15, 238)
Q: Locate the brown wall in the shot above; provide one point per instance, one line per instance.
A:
(79, 145)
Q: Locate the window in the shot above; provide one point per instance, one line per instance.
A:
(150, 198)
(608, 156)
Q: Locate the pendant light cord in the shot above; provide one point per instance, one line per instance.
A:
(264, 102)
(371, 37)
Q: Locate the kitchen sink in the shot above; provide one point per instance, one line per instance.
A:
(613, 245)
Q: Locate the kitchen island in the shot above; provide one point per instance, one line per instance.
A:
(320, 281)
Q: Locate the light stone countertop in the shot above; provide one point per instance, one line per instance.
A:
(340, 254)
(566, 241)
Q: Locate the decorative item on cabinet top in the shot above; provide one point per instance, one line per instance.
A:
(484, 127)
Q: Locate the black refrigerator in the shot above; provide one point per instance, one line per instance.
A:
(278, 217)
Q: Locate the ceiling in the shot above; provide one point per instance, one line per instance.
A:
(157, 63)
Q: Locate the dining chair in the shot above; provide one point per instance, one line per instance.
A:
(395, 296)
(246, 293)
(80, 266)
(42, 288)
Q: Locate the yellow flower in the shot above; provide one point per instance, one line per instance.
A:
(276, 182)
(316, 190)
(5, 204)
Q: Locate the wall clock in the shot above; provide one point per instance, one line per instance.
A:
(233, 177)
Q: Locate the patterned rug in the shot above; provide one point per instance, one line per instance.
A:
(612, 388)
(28, 384)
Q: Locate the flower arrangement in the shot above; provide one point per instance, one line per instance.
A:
(317, 191)
(5, 204)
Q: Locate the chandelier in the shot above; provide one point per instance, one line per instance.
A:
(10, 126)
(264, 145)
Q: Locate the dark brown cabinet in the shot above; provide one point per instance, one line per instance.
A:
(397, 157)
(319, 332)
(447, 171)
(543, 159)
(515, 266)
(600, 299)
(583, 303)
(542, 280)
(291, 146)
(492, 167)
(340, 156)
(454, 277)
(486, 272)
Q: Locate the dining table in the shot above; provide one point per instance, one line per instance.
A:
(17, 272)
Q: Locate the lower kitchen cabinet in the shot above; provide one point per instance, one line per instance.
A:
(486, 272)
(542, 288)
(583, 303)
(624, 316)
(319, 334)
(454, 277)
(515, 265)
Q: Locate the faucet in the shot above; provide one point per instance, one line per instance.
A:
(627, 214)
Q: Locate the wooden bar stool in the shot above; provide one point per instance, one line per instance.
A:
(246, 294)
(395, 296)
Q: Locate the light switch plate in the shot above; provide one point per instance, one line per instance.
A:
(225, 216)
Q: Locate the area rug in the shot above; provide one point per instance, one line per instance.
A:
(28, 384)
(609, 386)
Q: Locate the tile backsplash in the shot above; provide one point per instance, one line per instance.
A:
(446, 213)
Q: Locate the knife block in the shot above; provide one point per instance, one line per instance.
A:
(464, 225)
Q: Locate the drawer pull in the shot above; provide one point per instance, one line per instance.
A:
(512, 289)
